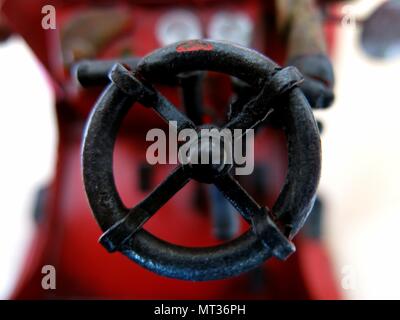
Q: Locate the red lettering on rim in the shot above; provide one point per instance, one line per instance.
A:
(194, 45)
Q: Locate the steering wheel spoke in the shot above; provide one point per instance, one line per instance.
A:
(237, 196)
(259, 108)
(132, 85)
(253, 113)
(125, 228)
(167, 111)
(259, 217)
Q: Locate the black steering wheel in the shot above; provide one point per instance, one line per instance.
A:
(271, 229)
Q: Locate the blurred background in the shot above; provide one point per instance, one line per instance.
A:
(360, 176)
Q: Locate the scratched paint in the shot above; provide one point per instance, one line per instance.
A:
(194, 45)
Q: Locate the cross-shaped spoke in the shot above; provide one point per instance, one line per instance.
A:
(237, 196)
(167, 111)
(259, 108)
(123, 229)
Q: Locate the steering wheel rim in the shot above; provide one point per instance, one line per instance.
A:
(248, 250)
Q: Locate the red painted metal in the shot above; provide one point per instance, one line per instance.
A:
(194, 46)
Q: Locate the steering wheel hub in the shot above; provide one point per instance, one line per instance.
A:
(208, 157)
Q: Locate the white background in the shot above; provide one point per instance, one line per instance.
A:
(361, 163)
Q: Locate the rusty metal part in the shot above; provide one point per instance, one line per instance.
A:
(271, 230)
(85, 34)
(283, 10)
(300, 22)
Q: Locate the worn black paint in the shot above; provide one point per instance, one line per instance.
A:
(271, 229)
